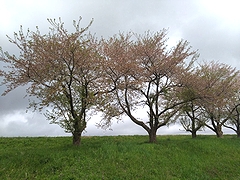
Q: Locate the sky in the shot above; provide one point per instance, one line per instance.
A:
(211, 26)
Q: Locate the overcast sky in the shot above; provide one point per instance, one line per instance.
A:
(211, 26)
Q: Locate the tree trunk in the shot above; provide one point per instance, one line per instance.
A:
(238, 131)
(238, 134)
(152, 136)
(79, 127)
(77, 138)
(219, 131)
(194, 134)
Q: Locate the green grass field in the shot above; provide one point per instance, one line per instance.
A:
(120, 157)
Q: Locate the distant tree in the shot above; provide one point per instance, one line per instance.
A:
(62, 69)
(144, 72)
(191, 114)
(233, 107)
(191, 117)
(219, 85)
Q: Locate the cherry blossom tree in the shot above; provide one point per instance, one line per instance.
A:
(219, 84)
(63, 71)
(144, 72)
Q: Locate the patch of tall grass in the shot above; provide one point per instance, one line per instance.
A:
(120, 157)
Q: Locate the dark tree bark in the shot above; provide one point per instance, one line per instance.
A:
(152, 135)
(79, 126)
(77, 138)
(238, 133)
(219, 131)
(194, 134)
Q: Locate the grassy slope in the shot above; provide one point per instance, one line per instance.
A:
(120, 157)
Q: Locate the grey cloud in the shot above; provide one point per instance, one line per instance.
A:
(214, 40)
(13, 101)
(31, 124)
